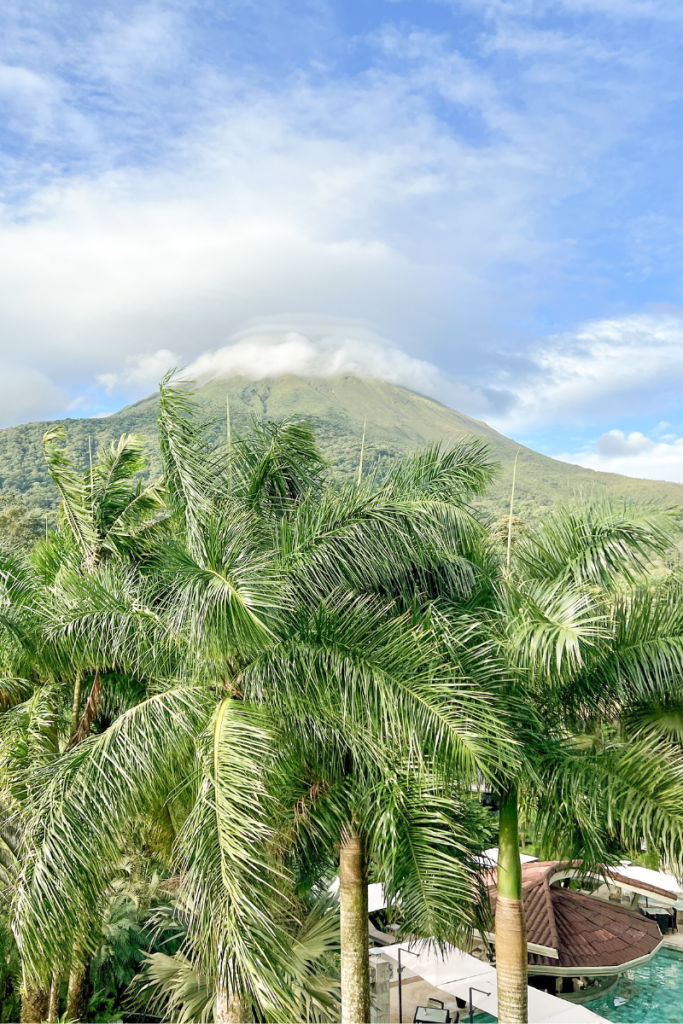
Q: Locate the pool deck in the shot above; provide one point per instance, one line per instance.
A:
(674, 941)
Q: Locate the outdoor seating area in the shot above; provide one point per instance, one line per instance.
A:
(584, 932)
(454, 986)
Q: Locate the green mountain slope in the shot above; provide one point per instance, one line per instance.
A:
(396, 420)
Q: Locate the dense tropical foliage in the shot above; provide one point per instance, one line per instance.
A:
(226, 688)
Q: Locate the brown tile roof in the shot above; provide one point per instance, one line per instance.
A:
(585, 931)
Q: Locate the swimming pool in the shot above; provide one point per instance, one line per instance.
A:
(653, 993)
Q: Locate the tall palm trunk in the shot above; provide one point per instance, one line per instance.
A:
(511, 950)
(76, 708)
(53, 1004)
(77, 993)
(34, 1003)
(230, 1009)
(353, 906)
(89, 711)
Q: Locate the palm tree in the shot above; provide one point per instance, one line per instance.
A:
(375, 708)
(106, 509)
(29, 738)
(267, 610)
(274, 618)
(104, 515)
(172, 986)
(565, 608)
(263, 587)
(357, 538)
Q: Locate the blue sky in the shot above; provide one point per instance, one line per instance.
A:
(482, 199)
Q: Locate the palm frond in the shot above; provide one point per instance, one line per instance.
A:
(275, 463)
(225, 596)
(552, 625)
(79, 824)
(189, 463)
(231, 887)
(121, 509)
(591, 791)
(348, 670)
(596, 542)
(76, 506)
(424, 842)
(641, 660)
(108, 619)
(454, 475)
(358, 538)
(173, 988)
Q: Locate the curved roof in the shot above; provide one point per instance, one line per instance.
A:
(632, 881)
(578, 931)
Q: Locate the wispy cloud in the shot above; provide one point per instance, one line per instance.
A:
(27, 394)
(601, 369)
(313, 347)
(633, 454)
(143, 371)
(172, 175)
(527, 9)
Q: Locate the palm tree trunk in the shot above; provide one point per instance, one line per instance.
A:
(34, 1003)
(353, 907)
(230, 1009)
(76, 707)
(53, 1004)
(77, 993)
(511, 950)
(89, 711)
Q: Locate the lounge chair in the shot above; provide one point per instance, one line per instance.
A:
(434, 1013)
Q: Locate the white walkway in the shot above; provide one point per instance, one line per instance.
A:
(455, 972)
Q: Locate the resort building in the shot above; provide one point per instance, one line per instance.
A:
(584, 931)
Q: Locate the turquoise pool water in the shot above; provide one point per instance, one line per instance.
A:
(653, 994)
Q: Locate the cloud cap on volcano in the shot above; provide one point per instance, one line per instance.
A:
(311, 347)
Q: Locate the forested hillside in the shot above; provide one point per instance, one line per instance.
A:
(395, 419)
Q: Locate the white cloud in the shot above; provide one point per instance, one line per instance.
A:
(316, 349)
(27, 394)
(142, 371)
(633, 455)
(601, 369)
(389, 196)
(263, 214)
(313, 347)
(22, 84)
(617, 444)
